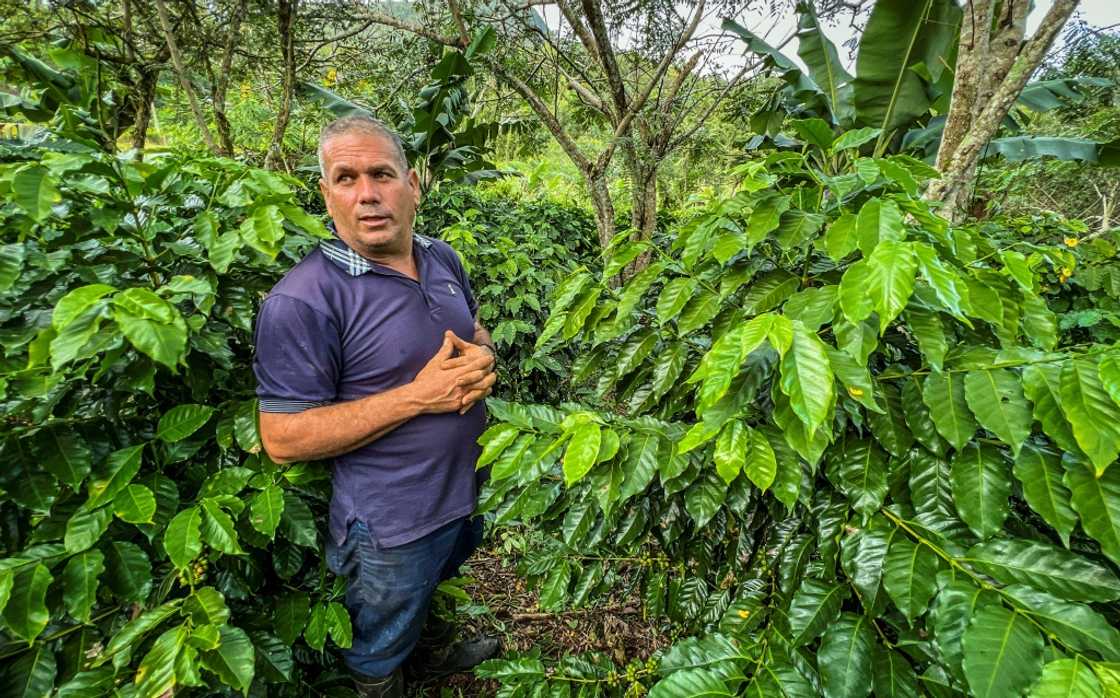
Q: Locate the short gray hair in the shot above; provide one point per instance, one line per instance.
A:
(360, 123)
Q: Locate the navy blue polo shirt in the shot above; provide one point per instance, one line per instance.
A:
(338, 327)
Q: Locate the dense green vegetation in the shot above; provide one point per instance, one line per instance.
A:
(829, 434)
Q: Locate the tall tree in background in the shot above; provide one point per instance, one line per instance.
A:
(649, 96)
(994, 62)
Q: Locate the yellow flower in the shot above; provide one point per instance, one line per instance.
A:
(1064, 274)
(1071, 242)
(855, 392)
(744, 614)
(332, 76)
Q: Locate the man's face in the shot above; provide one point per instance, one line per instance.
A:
(372, 201)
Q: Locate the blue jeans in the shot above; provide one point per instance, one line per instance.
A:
(390, 588)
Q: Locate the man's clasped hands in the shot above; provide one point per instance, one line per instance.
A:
(459, 375)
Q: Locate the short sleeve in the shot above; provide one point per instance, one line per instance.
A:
(298, 356)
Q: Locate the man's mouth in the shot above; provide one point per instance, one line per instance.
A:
(373, 219)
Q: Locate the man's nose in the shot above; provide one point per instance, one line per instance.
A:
(367, 191)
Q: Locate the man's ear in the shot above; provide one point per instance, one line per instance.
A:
(414, 182)
(323, 192)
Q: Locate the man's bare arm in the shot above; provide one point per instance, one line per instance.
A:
(331, 430)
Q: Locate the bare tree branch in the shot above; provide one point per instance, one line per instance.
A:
(184, 80)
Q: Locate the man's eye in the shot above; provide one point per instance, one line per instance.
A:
(345, 178)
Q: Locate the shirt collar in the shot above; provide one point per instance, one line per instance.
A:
(346, 259)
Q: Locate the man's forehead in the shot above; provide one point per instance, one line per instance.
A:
(364, 149)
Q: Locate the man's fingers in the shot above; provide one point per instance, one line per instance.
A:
(473, 397)
(445, 349)
(460, 343)
(467, 363)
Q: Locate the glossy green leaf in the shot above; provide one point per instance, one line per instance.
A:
(844, 657)
(32, 674)
(181, 421)
(948, 286)
(152, 325)
(1109, 372)
(981, 487)
(135, 504)
(840, 238)
(806, 377)
(77, 302)
(879, 219)
(1097, 501)
(1045, 567)
(814, 607)
(117, 472)
(291, 616)
(338, 625)
(863, 553)
(495, 440)
(233, 660)
(183, 538)
(80, 578)
(1077, 625)
(909, 573)
(35, 191)
(674, 296)
(86, 526)
(888, 424)
(26, 612)
(1039, 322)
(731, 450)
(944, 395)
(1002, 653)
(128, 571)
(918, 417)
(761, 464)
(704, 497)
(996, 398)
(1040, 474)
(1067, 678)
(65, 455)
(1092, 414)
(582, 452)
(953, 609)
(1042, 385)
(218, 529)
(554, 589)
(894, 677)
(699, 312)
(859, 470)
(765, 217)
(888, 92)
(267, 506)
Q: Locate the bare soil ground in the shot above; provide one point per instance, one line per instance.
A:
(503, 606)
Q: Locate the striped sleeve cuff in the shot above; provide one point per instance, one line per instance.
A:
(287, 406)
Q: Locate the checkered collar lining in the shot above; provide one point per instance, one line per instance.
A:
(350, 261)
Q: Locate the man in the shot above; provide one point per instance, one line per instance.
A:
(361, 357)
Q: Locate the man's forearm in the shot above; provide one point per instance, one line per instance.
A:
(331, 430)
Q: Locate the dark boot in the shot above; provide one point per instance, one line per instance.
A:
(391, 686)
(463, 655)
(429, 663)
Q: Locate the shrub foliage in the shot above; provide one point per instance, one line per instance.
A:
(842, 446)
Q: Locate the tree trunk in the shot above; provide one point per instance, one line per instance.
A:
(992, 69)
(184, 79)
(143, 98)
(604, 209)
(220, 84)
(285, 19)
